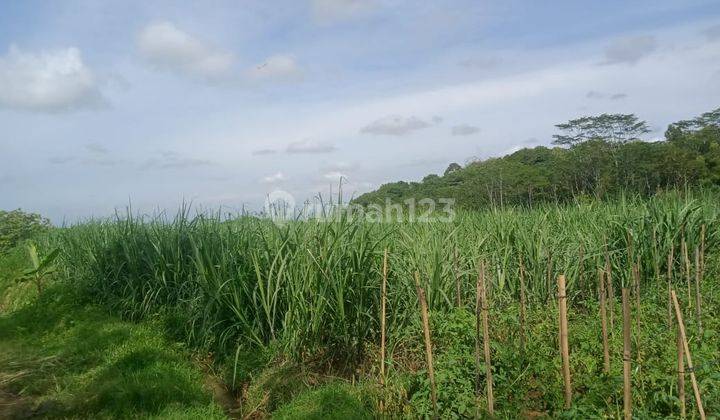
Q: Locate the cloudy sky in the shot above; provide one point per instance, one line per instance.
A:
(221, 102)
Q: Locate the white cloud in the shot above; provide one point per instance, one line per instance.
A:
(335, 10)
(464, 130)
(96, 148)
(169, 159)
(264, 152)
(594, 95)
(339, 166)
(307, 146)
(166, 47)
(274, 178)
(334, 176)
(49, 81)
(395, 125)
(277, 67)
(630, 49)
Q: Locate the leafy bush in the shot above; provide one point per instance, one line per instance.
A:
(17, 226)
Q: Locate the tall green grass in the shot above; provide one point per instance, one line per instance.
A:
(313, 287)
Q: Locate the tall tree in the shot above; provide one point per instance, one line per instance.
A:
(613, 128)
(676, 130)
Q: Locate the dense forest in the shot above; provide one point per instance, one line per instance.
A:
(598, 156)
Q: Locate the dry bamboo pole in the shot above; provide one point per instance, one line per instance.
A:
(630, 251)
(564, 347)
(627, 385)
(688, 271)
(656, 262)
(670, 261)
(382, 325)
(636, 279)
(478, 323)
(603, 323)
(581, 268)
(428, 343)
(688, 357)
(522, 306)
(702, 251)
(458, 300)
(681, 374)
(483, 310)
(698, 297)
(610, 288)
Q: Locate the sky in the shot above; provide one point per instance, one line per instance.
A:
(220, 103)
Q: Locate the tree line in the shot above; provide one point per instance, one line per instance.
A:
(597, 156)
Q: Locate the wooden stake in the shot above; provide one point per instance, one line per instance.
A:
(684, 250)
(656, 262)
(627, 390)
(636, 278)
(382, 325)
(688, 357)
(702, 251)
(603, 323)
(698, 297)
(458, 300)
(581, 271)
(564, 348)
(428, 343)
(610, 288)
(483, 308)
(670, 261)
(522, 306)
(681, 374)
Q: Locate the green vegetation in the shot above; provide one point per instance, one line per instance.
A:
(290, 312)
(63, 357)
(17, 226)
(604, 160)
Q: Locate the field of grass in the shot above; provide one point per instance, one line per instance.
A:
(290, 313)
(61, 356)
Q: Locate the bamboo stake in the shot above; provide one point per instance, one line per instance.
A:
(688, 357)
(382, 326)
(603, 323)
(610, 288)
(636, 278)
(581, 271)
(564, 348)
(670, 261)
(478, 323)
(702, 251)
(684, 250)
(627, 386)
(698, 297)
(428, 343)
(458, 301)
(522, 306)
(482, 300)
(656, 262)
(681, 374)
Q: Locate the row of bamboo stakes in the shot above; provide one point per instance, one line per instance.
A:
(606, 293)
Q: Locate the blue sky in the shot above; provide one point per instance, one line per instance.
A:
(222, 102)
